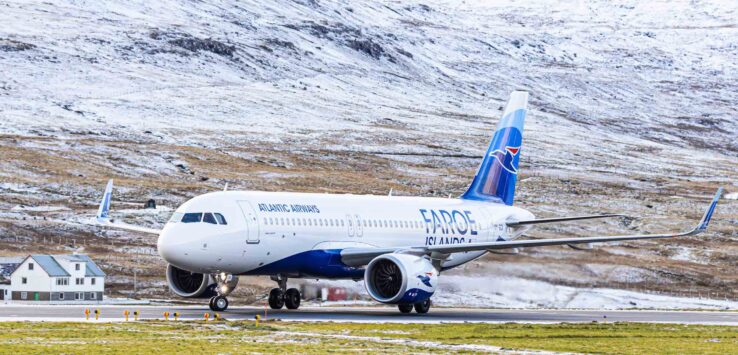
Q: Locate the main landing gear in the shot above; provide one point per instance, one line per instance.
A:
(420, 307)
(282, 296)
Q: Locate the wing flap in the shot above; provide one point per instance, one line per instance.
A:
(560, 219)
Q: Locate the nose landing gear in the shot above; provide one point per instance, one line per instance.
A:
(226, 284)
(282, 296)
(219, 303)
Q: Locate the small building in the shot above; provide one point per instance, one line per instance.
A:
(7, 266)
(57, 278)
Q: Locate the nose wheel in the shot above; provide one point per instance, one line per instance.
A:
(218, 303)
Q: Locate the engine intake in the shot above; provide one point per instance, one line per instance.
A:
(189, 284)
(400, 279)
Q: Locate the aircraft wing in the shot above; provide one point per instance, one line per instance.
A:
(559, 219)
(103, 215)
(358, 257)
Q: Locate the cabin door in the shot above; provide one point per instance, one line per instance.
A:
(252, 223)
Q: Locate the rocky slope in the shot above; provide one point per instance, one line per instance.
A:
(633, 109)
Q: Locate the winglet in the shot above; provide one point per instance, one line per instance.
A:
(104, 209)
(708, 214)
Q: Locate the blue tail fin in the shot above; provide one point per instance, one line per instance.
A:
(498, 173)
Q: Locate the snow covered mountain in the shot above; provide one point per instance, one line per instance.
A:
(633, 110)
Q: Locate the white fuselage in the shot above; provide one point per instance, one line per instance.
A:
(302, 234)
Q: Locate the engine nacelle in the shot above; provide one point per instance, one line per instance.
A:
(400, 279)
(190, 285)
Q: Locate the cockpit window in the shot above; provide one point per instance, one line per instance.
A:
(176, 217)
(209, 218)
(192, 218)
(220, 218)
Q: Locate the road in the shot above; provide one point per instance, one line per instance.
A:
(11, 312)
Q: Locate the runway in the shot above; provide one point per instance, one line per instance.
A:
(365, 314)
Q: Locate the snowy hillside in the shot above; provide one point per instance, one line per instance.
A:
(634, 109)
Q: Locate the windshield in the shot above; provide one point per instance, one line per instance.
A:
(197, 217)
(192, 218)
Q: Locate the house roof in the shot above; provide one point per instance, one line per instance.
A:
(50, 265)
(92, 269)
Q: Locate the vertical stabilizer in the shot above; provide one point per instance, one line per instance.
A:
(495, 180)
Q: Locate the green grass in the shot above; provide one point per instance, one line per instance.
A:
(242, 337)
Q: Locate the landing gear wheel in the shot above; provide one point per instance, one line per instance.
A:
(423, 307)
(276, 298)
(405, 308)
(292, 298)
(218, 304)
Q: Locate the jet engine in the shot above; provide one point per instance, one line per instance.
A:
(189, 284)
(400, 279)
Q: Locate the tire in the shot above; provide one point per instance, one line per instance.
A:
(423, 307)
(218, 304)
(292, 298)
(405, 308)
(276, 298)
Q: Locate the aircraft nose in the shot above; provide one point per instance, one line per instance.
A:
(171, 250)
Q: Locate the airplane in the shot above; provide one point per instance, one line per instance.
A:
(398, 245)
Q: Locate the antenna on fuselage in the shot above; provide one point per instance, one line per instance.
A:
(225, 188)
(390, 193)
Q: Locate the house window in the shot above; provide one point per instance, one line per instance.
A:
(93, 295)
(24, 280)
(80, 281)
(92, 281)
(76, 267)
(61, 295)
(78, 296)
(30, 266)
(62, 281)
(24, 295)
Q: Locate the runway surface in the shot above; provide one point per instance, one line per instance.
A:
(10, 312)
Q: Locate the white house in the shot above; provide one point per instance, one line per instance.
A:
(57, 278)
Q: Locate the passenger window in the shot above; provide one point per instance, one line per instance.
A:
(192, 218)
(209, 218)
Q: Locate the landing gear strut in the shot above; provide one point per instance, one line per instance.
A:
(279, 297)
